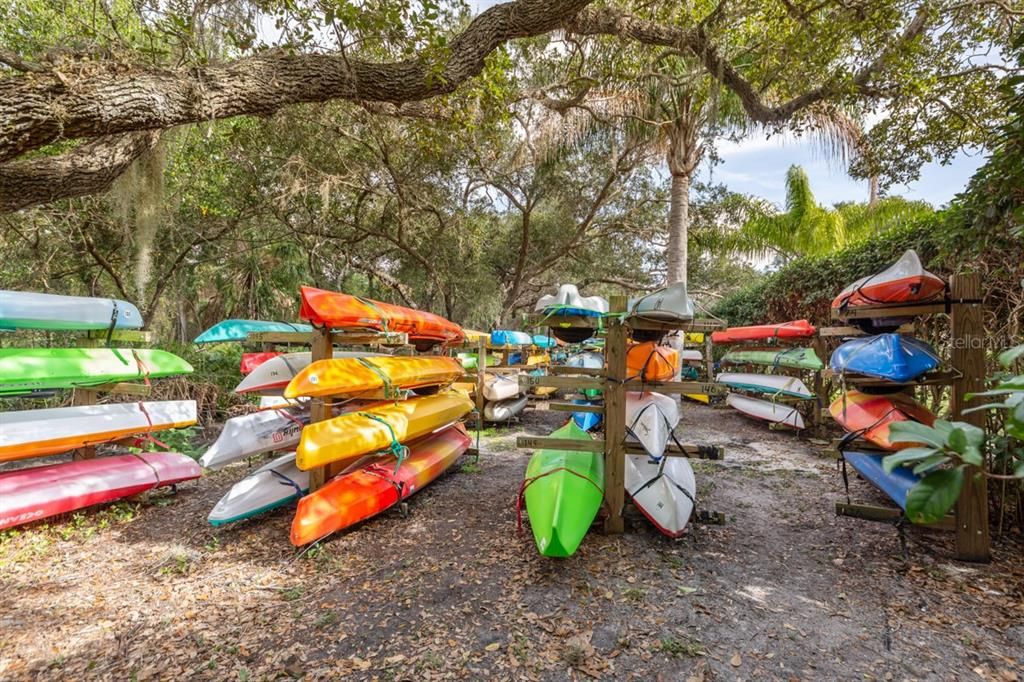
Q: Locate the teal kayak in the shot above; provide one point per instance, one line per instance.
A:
(239, 330)
(797, 358)
(563, 491)
(23, 370)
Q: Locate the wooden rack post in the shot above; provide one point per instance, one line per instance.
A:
(709, 358)
(968, 357)
(614, 394)
(481, 371)
(320, 408)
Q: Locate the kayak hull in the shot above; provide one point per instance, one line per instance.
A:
(785, 330)
(35, 433)
(252, 434)
(52, 312)
(239, 330)
(795, 358)
(874, 415)
(663, 491)
(772, 384)
(650, 420)
(651, 362)
(670, 305)
(504, 410)
(896, 485)
(355, 377)
(563, 493)
(28, 495)
(23, 370)
(500, 387)
(568, 302)
(776, 413)
(905, 281)
(892, 357)
(362, 494)
(273, 485)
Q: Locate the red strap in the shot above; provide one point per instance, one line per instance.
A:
(148, 435)
(521, 497)
(142, 368)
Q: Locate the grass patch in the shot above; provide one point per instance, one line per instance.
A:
(292, 593)
(680, 647)
(634, 594)
(471, 468)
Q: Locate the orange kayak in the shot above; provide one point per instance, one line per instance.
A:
(356, 496)
(874, 414)
(345, 439)
(360, 376)
(651, 362)
(343, 311)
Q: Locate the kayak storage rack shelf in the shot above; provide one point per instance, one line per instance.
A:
(614, 382)
(966, 375)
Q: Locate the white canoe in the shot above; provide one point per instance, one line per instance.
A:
(664, 491)
(504, 410)
(777, 413)
(33, 433)
(29, 310)
(271, 377)
(766, 383)
(670, 304)
(650, 419)
(690, 355)
(273, 485)
(498, 387)
(568, 296)
(251, 434)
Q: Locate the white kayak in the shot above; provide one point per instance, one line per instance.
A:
(569, 300)
(29, 310)
(650, 419)
(670, 304)
(586, 360)
(504, 410)
(777, 413)
(774, 384)
(271, 377)
(251, 434)
(273, 485)
(690, 355)
(663, 491)
(498, 387)
(34, 433)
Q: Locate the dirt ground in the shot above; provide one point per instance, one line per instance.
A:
(785, 590)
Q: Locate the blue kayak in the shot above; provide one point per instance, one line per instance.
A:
(886, 356)
(896, 485)
(542, 341)
(586, 420)
(239, 330)
(507, 337)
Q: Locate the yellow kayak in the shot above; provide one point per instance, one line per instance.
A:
(346, 438)
(698, 397)
(369, 375)
(541, 359)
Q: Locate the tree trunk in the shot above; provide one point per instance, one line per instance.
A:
(678, 228)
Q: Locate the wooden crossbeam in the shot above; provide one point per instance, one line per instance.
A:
(672, 387)
(581, 371)
(337, 338)
(941, 378)
(121, 388)
(877, 312)
(870, 512)
(695, 325)
(578, 383)
(693, 451)
(121, 335)
(573, 407)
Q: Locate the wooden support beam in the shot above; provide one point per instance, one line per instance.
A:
(573, 407)
(320, 408)
(870, 512)
(889, 311)
(692, 451)
(833, 332)
(672, 387)
(939, 378)
(84, 396)
(578, 371)
(119, 388)
(966, 330)
(709, 359)
(577, 383)
(481, 374)
(120, 336)
(614, 395)
(689, 450)
(338, 337)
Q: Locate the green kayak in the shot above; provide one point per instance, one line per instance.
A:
(563, 494)
(798, 358)
(469, 360)
(23, 370)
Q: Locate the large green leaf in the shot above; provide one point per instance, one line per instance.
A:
(934, 495)
(915, 432)
(1008, 357)
(890, 462)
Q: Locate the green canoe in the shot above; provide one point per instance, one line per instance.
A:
(563, 494)
(799, 358)
(23, 370)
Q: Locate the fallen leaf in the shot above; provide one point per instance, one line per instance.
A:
(735, 661)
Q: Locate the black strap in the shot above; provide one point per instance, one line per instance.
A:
(113, 322)
(284, 480)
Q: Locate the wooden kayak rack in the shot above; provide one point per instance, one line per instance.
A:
(613, 383)
(966, 375)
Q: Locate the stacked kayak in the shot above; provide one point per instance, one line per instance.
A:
(544, 342)
(765, 410)
(796, 329)
(668, 305)
(29, 310)
(795, 358)
(470, 361)
(587, 360)
(365, 492)
(559, 308)
(272, 376)
(563, 491)
(372, 377)
(871, 416)
(239, 330)
(251, 361)
(24, 370)
(588, 421)
(346, 312)
(905, 281)
(771, 384)
(275, 484)
(650, 362)
(502, 396)
(39, 492)
(892, 357)
(509, 337)
(895, 484)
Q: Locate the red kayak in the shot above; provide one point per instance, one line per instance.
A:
(251, 361)
(31, 494)
(872, 415)
(785, 330)
(342, 311)
(905, 281)
(356, 496)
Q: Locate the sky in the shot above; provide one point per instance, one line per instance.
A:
(758, 166)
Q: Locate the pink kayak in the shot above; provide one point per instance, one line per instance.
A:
(31, 494)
